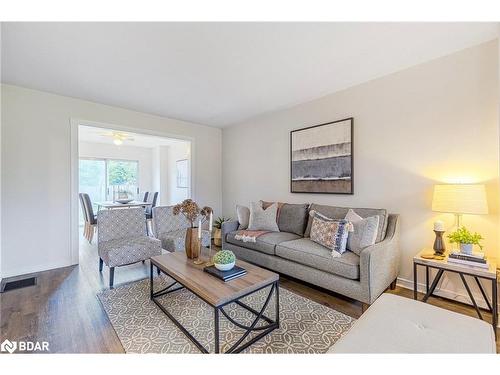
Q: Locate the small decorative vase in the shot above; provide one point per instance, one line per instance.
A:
(217, 237)
(224, 267)
(439, 246)
(192, 243)
(466, 248)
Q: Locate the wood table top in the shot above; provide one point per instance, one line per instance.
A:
(490, 273)
(214, 291)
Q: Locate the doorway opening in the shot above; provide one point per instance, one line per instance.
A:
(115, 165)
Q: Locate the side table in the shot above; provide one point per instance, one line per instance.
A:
(490, 275)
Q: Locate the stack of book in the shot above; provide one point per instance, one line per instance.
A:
(474, 259)
(232, 274)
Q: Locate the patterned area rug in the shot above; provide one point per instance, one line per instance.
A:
(305, 326)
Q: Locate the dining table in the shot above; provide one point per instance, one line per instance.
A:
(109, 205)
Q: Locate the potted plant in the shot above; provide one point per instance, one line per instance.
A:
(192, 212)
(466, 239)
(224, 260)
(218, 230)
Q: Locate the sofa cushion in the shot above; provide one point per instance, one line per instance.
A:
(395, 324)
(265, 243)
(293, 218)
(309, 253)
(123, 251)
(341, 212)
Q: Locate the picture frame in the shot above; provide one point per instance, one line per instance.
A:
(321, 158)
(182, 173)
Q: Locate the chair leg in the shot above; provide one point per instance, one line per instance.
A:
(100, 264)
(111, 277)
(91, 233)
(158, 271)
(143, 261)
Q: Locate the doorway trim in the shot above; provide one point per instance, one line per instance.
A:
(74, 157)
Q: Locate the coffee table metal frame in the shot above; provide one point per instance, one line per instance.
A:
(237, 347)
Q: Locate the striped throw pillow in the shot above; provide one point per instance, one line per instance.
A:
(331, 233)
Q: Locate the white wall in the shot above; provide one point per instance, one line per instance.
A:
(0, 156)
(435, 122)
(143, 155)
(36, 171)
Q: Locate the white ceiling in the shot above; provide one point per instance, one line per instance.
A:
(100, 135)
(219, 74)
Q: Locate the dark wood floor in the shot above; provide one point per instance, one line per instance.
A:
(63, 308)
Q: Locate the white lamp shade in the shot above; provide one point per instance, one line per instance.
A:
(460, 199)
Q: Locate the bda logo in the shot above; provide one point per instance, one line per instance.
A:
(8, 346)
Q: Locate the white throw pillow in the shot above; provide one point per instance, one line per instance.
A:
(364, 233)
(261, 219)
(243, 214)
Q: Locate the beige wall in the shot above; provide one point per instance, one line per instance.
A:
(435, 122)
(36, 171)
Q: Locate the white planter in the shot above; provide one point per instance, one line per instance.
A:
(224, 267)
(466, 248)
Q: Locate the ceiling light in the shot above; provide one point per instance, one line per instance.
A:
(117, 141)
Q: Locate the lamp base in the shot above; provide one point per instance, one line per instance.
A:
(439, 245)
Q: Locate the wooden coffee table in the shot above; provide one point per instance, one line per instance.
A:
(218, 294)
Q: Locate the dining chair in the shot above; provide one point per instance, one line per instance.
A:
(146, 196)
(122, 239)
(85, 218)
(91, 218)
(149, 209)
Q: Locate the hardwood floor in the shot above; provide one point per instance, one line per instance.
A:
(63, 308)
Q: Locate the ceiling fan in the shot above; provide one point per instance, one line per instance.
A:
(118, 137)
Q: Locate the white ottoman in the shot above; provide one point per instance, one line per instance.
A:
(396, 324)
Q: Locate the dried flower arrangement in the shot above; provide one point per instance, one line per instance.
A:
(191, 211)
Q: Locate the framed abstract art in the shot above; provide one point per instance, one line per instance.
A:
(321, 158)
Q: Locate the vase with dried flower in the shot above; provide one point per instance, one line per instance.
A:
(192, 212)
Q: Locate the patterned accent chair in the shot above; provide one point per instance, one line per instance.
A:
(122, 239)
(170, 229)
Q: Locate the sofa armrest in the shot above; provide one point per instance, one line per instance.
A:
(379, 263)
(227, 227)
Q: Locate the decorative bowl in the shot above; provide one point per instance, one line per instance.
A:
(224, 260)
(224, 267)
(124, 201)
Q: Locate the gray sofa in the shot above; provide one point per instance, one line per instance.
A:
(291, 252)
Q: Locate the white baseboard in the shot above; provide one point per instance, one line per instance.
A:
(34, 269)
(453, 295)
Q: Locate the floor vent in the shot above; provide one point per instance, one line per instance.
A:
(23, 283)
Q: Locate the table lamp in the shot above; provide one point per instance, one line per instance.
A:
(460, 199)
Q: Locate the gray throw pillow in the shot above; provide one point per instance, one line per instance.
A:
(261, 219)
(243, 214)
(293, 218)
(364, 233)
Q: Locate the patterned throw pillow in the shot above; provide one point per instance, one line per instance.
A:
(331, 233)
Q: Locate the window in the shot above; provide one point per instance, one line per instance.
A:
(108, 179)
